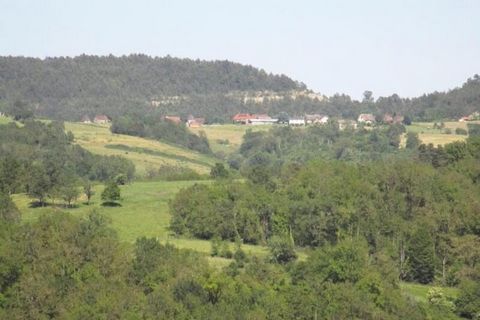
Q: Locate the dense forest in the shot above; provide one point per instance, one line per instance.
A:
(366, 214)
(69, 88)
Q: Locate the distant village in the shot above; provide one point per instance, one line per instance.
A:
(366, 119)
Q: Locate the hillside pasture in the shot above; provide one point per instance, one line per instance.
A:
(145, 153)
(143, 212)
(428, 134)
(217, 134)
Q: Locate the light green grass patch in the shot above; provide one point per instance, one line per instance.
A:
(419, 291)
(232, 132)
(143, 212)
(96, 139)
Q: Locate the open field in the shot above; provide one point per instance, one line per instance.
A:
(231, 132)
(428, 134)
(144, 212)
(144, 153)
(419, 291)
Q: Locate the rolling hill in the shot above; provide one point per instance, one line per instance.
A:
(144, 153)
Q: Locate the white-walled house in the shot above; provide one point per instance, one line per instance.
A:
(296, 122)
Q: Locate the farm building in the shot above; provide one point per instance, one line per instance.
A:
(195, 122)
(296, 122)
(101, 119)
(389, 119)
(366, 118)
(86, 119)
(174, 119)
(316, 119)
(242, 118)
(344, 124)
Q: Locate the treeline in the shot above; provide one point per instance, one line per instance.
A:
(417, 209)
(69, 88)
(41, 160)
(64, 267)
(263, 153)
(157, 128)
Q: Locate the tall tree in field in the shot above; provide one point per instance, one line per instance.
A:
(421, 256)
(88, 191)
(111, 193)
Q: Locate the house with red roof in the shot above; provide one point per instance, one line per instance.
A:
(101, 119)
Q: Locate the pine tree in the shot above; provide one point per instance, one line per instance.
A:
(421, 256)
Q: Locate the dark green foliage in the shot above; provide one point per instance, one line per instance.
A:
(88, 190)
(20, 111)
(281, 249)
(174, 173)
(111, 193)
(421, 256)
(473, 129)
(8, 211)
(468, 303)
(218, 171)
(412, 141)
(151, 126)
(69, 88)
(461, 131)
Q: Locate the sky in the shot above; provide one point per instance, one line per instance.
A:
(346, 46)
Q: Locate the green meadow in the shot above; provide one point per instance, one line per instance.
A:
(144, 153)
(143, 211)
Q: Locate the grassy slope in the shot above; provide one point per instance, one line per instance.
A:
(233, 133)
(95, 138)
(428, 134)
(419, 291)
(144, 212)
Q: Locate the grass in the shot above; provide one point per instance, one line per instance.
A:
(428, 134)
(231, 132)
(419, 291)
(143, 212)
(98, 138)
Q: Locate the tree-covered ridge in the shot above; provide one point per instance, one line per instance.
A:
(69, 88)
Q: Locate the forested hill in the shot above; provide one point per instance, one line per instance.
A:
(69, 88)
(58, 86)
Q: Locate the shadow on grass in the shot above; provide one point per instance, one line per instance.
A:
(39, 204)
(111, 204)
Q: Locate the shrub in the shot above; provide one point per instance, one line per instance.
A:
(461, 131)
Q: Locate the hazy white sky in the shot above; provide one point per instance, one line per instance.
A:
(407, 47)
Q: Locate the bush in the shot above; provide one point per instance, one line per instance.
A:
(219, 171)
(461, 131)
(111, 193)
(281, 250)
(174, 173)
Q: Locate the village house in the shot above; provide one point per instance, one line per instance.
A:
(101, 119)
(242, 118)
(174, 119)
(366, 118)
(389, 119)
(344, 124)
(316, 119)
(296, 122)
(195, 122)
(253, 119)
(474, 116)
(86, 119)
